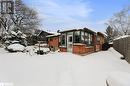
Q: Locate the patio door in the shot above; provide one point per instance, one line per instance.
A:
(70, 42)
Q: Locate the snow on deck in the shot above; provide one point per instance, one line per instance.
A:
(59, 69)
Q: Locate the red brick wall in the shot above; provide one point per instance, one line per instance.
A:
(79, 49)
(63, 49)
(90, 49)
(54, 42)
(82, 49)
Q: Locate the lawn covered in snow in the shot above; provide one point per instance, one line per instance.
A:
(59, 69)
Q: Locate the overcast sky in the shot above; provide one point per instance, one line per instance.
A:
(67, 14)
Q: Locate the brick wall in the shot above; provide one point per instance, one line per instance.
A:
(53, 42)
(79, 49)
(82, 49)
(63, 49)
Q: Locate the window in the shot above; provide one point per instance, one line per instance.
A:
(7, 7)
(63, 40)
(77, 37)
(88, 38)
(70, 39)
(82, 37)
(91, 39)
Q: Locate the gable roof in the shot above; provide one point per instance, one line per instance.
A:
(39, 32)
(99, 33)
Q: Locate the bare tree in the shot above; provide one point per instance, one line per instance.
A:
(121, 21)
(6, 23)
(25, 18)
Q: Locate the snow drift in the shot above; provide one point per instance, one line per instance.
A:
(16, 47)
(115, 53)
(119, 79)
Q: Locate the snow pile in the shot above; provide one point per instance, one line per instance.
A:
(41, 45)
(16, 47)
(32, 50)
(119, 79)
(42, 48)
(46, 49)
(115, 53)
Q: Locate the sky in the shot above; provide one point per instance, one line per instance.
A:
(74, 14)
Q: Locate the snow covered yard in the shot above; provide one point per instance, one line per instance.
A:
(59, 69)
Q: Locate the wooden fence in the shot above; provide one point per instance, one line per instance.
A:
(123, 46)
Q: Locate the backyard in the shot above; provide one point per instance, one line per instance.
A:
(59, 69)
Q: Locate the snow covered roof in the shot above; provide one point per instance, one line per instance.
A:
(102, 34)
(39, 32)
(56, 34)
(125, 36)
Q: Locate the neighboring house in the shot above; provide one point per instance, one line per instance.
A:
(77, 41)
(41, 36)
(53, 41)
(100, 41)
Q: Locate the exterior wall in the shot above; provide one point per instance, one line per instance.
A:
(94, 42)
(123, 46)
(63, 49)
(82, 49)
(98, 47)
(100, 42)
(53, 43)
(79, 49)
(90, 49)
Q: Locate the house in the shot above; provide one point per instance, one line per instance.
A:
(41, 35)
(53, 41)
(77, 41)
(100, 41)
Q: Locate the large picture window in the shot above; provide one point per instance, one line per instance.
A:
(88, 39)
(77, 37)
